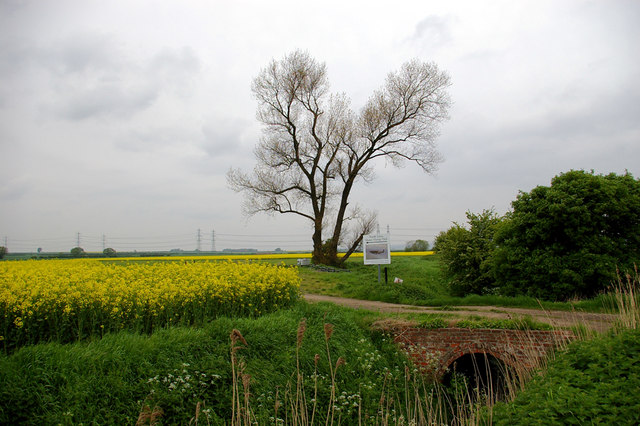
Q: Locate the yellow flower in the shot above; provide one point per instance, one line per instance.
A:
(140, 294)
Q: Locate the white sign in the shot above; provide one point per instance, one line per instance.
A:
(376, 250)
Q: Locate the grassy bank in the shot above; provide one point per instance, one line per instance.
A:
(175, 370)
(593, 381)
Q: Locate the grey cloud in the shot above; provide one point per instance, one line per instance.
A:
(14, 189)
(171, 63)
(592, 116)
(175, 71)
(148, 138)
(83, 53)
(107, 100)
(11, 6)
(223, 136)
(434, 31)
(92, 77)
(15, 56)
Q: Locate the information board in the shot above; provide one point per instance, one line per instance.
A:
(376, 250)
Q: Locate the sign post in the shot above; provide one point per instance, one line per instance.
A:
(376, 250)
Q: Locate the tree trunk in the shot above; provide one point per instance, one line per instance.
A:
(350, 250)
(317, 255)
(324, 253)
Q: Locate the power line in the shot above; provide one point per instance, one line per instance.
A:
(288, 241)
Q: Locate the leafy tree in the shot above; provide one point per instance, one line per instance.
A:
(3, 252)
(466, 253)
(315, 149)
(109, 252)
(417, 245)
(567, 239)
(77, 252)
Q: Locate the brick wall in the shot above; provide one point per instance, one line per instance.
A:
(434, 350)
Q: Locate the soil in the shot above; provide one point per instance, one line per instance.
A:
(593, 321)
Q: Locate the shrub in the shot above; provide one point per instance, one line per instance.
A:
(567, 239)
(465, 253)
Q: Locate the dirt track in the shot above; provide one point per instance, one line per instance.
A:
(597, 322)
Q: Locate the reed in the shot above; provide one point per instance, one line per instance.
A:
(626, 291)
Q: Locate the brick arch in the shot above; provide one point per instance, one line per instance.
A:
(452, 356)
(433, 350)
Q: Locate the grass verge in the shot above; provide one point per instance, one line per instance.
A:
(423, 284)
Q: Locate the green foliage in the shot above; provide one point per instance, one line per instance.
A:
(417, 245)
(3, 252)
(109, 252)
(466, 252)
(566, 240)
(78, 252)
(594, 382)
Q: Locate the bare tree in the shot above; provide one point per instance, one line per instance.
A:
(314, 148)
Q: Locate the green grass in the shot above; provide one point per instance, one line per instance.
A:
(423, 285)
(111, 380)
(422, 280)
(108, 381)
(525, 323)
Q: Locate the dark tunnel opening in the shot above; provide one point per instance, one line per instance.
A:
(481, 374)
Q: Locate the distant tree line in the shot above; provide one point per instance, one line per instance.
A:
(560, 241)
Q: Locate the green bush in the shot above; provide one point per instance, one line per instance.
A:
(566, 240)
(465, 253)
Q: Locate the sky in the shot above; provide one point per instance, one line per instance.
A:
(120, 119)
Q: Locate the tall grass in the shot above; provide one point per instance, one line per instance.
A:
(626, 292)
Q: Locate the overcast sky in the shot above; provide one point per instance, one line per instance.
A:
(121, 118)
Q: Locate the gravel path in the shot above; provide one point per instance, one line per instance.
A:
(597, 322)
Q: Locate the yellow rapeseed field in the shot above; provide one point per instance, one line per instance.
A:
(66, 300)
